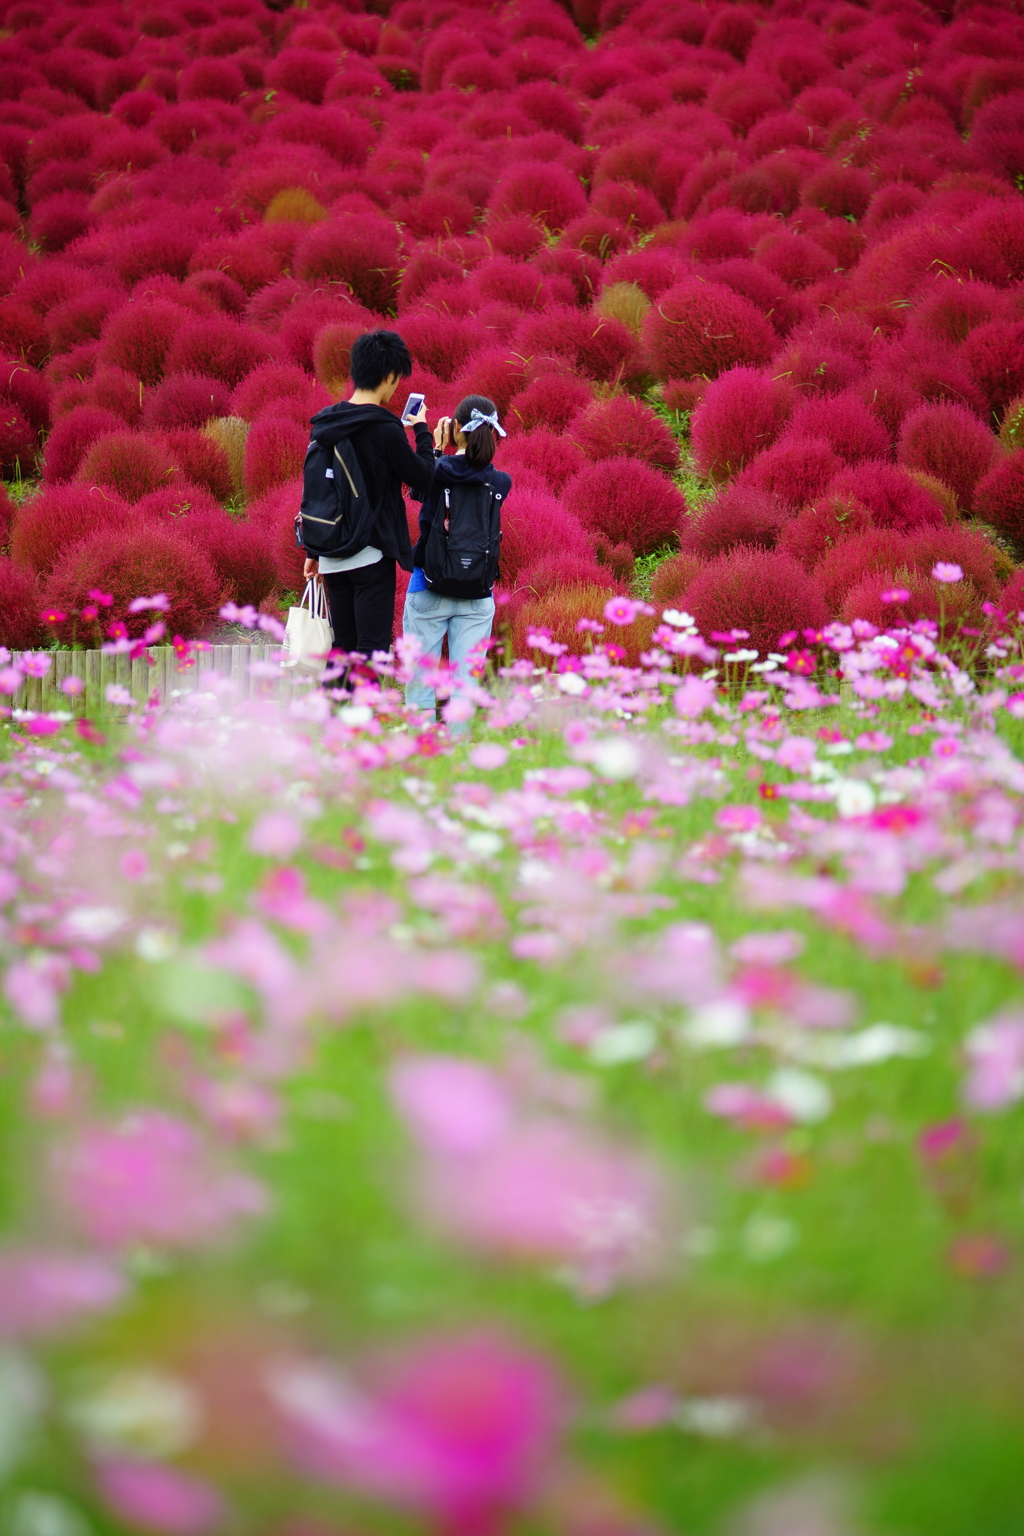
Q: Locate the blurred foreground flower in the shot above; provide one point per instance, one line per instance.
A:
(459, 1428)
(46, 1292)
(531, 1189)
(149, 1179)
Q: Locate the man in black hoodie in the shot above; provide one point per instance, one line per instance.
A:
(361, 588)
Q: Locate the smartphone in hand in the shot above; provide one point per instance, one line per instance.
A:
(413, 407)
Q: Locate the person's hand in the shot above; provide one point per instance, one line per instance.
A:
(310, 569)
(419, 420)
(442, 432)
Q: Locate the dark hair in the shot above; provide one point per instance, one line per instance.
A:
(376, 355)
(480, 443)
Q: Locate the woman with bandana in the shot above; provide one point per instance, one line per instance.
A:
(429, 615)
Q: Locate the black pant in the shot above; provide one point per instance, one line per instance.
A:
(362, 604)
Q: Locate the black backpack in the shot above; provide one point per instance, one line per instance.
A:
(460, 558)
(336, 516)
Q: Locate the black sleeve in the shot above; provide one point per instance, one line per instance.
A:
(414, 469)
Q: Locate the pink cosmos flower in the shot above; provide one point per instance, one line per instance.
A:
(149, 1179)
(621, 610)
(738, 818)
(551, 1192)
(693, 696)
(159, 601)
(895, 595)
(947, 571)
(33, 987)
(460, 1428)
(276, 835)
(43, 1293)
(159, 1499)
(540, 1190)
(451, 1105)
(768, 948)
(995, 1056)
(134, 864)
(489, 755)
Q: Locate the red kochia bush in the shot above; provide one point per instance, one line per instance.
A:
(553, 458)
(81, 317)
(672, 578)
(704, 328)
(815, 530)
(551, 402)
(185, 400)
(993, 355)
(242, 554)
(494, 373)
(114, 389)
(18, 441)
(442, 343)
(845, 423)
(853, 558)
(332, 350)
(273, 515)
(547, 192)
(274, 451)
(139, 336)
(950, 443)
(997, 135)
(228, 295)
(217, 79)
(958, 545)
(201, 461)
(217, 347)
(536, 527)
(739, 515)
(623, 427)
(139, 558)
(741, 413)
(59, 219)
(895, 499)
(360, 252)
(762, 591)
(556, 572)
(627, 501)
(794, 258)
(301, 71)
(128, 463)
(71, 438)
(273, 381)
(999, 498)
(20, 605)
(954, 310)
(61, 515)
(840, 190)
(796, 469)
(601, 348)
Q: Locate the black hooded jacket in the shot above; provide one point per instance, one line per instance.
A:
(454, 469)
(387, 462)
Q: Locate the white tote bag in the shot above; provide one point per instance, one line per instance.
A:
(308, 634)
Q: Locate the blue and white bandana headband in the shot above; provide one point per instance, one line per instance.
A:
(478, 419)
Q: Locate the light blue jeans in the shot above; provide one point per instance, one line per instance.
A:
(429, 616)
